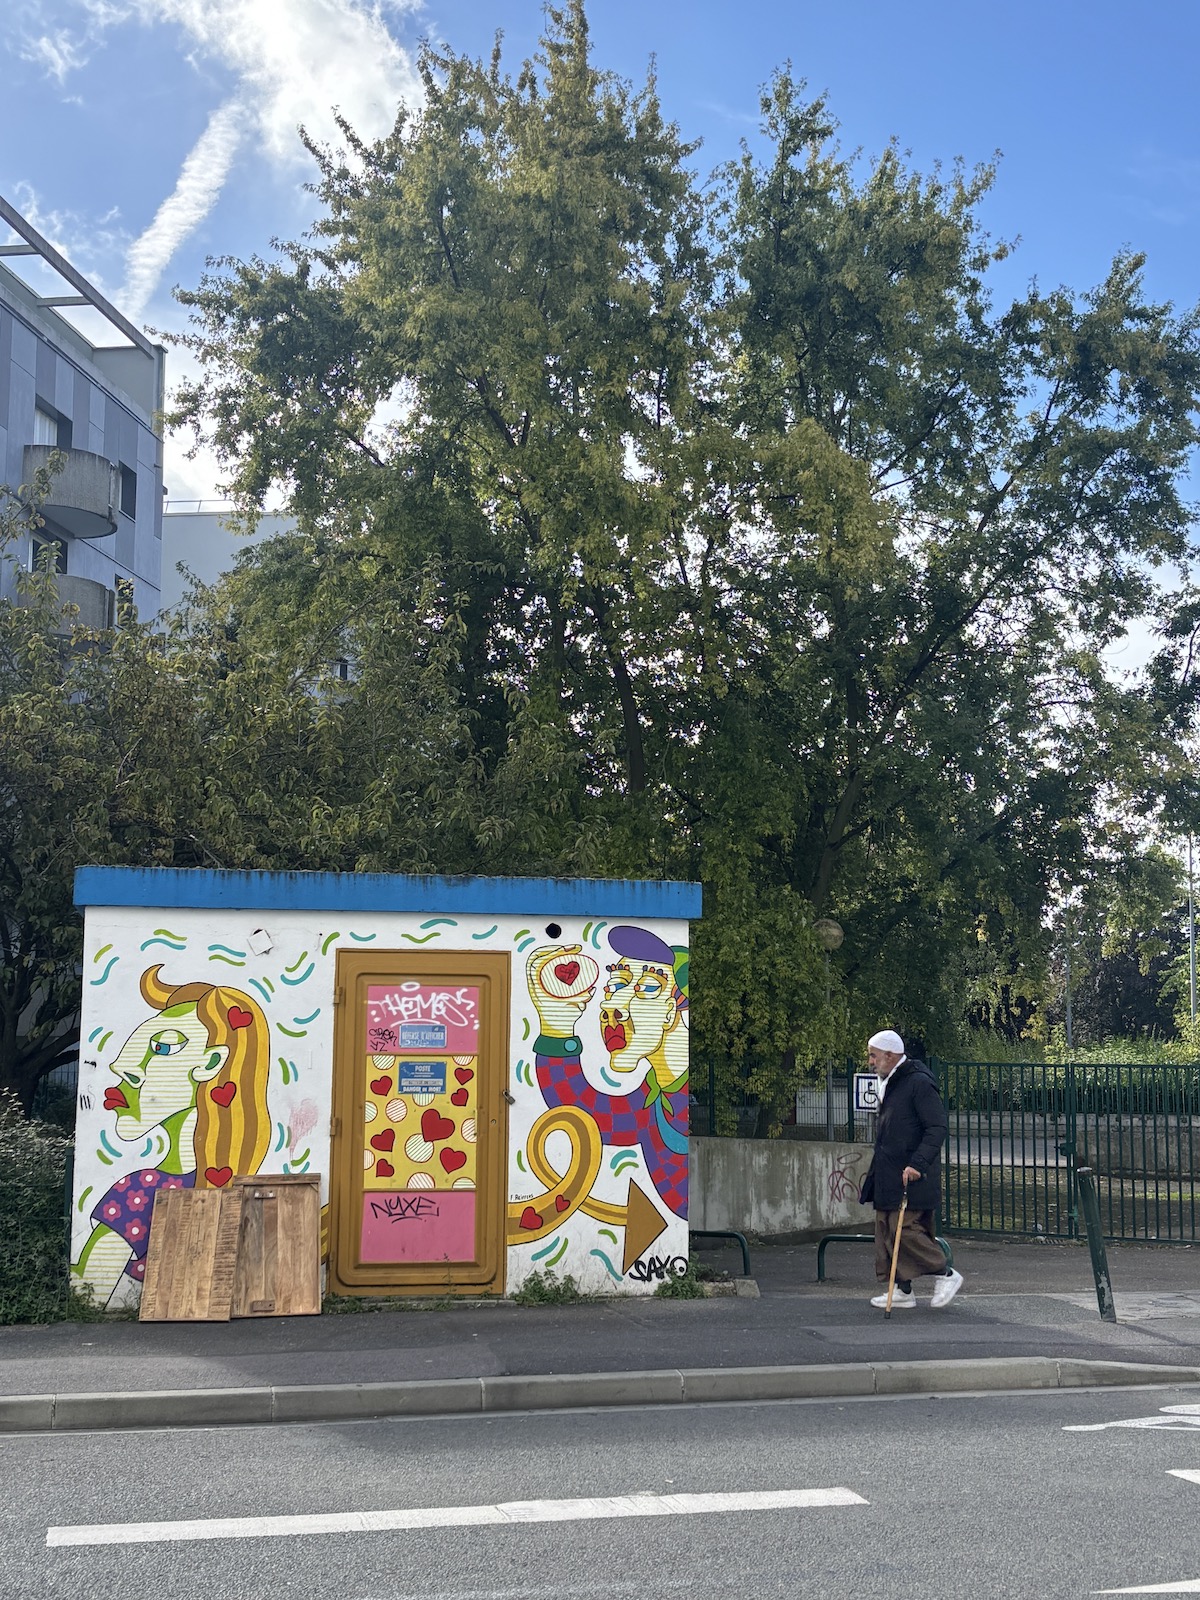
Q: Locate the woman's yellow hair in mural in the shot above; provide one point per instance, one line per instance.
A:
(233, 1126)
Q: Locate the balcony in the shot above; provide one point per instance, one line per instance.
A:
(97, 604)
(83, 497)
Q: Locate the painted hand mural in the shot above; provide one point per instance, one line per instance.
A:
(643, 1021)
(194, 1076)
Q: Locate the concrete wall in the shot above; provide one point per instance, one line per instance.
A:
(771, 1186)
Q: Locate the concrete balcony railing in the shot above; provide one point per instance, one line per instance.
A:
(96, 604)
(83, 497)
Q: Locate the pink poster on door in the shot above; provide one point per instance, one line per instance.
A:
(419, 1225)
(403, 1017)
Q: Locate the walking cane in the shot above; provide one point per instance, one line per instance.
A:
(887, 1310)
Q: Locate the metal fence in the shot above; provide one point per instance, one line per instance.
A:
(1019, 1131)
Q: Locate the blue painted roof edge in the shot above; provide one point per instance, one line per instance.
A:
(349, 891)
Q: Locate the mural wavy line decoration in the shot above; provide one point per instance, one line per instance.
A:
(327, 941)
(170, 944)
(294, 983)
(487, 934)
(608, 1264)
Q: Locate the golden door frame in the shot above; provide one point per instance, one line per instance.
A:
(356, 971)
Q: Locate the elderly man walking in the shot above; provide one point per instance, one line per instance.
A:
(909, 1134)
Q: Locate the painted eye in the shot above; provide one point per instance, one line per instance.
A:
(648, 988)
(169, 1043)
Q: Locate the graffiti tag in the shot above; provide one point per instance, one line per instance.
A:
(655, 1268)
(456, 1007)
(843, 1180)
(405, 1207)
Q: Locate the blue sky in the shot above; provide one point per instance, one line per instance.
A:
(145, 135)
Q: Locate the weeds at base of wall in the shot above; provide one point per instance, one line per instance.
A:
(548, 1289)
(689, 1285)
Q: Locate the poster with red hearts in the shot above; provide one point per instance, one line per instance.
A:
(412, 1017)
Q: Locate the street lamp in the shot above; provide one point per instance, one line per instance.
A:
(829, 936)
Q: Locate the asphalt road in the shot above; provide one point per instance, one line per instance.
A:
(981, 1497)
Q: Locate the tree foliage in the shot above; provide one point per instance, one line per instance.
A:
(726, 530)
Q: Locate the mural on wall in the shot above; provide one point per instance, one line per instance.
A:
(194, 1073)
(643, 1018)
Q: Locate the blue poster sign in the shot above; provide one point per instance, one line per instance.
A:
(422, 1036)
(415, 1077)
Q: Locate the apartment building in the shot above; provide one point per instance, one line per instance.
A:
(76, 376)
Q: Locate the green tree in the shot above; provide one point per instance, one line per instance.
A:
(754, 542)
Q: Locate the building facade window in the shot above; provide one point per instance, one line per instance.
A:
(50, 427)
(44, 550)
(128, 491)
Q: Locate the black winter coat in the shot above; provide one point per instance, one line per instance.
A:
(910, 1132)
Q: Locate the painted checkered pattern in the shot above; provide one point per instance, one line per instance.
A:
(621, 1122)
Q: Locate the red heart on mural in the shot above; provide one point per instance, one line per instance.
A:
(380, 1085)
(224, 1093)
(239, 1018)
(114, 1100)
(530, 1218)
(452, 1159)
(463, 1074)
(384, 1169)
(218, 1176)
(459, 1097)
(385, 1140)
(435, 1126)
(567, 971)
(561, 1203)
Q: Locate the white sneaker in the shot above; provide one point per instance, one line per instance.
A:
(899, 1298)
(946, 1288)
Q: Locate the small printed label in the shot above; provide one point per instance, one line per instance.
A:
(421, 1077)
(422, 1036)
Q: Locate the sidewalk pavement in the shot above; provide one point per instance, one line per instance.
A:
(1021, 1299)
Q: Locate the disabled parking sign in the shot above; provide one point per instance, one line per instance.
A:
(866, 1091)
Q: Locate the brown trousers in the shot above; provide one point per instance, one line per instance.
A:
(920, 1252)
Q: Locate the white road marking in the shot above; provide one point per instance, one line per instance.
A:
(1189, 1585)
(1192, 1586)
(515, 1511)
(1183, 1419)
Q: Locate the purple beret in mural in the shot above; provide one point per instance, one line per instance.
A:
(641, 945)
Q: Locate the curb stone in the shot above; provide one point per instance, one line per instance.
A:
(356, 1402)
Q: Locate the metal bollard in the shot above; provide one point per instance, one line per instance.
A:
(1088, 1204)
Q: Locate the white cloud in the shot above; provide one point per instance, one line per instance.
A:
(58, 52)
(294, 62)
(200, 181)
(297, 59)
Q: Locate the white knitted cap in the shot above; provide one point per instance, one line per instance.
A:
(887, 1040)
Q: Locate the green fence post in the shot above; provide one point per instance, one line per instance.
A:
(1095, 1237)
(850, 1130)
(712, 1096)
(1068, 1149)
